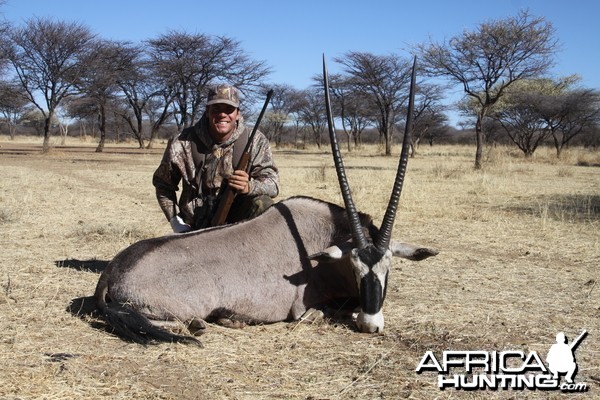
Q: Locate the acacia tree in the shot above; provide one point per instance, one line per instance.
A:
(355, 108)
(428, 115)
(522, 122)
(140, 86)
(533, 110)
(297, 101)
(568, 111)
(158, 110)
(582, 114)
(189, 63)
(48, 58)
(312, 113)
(84, 110)
(4, 42)
(283, 104)
(13, 103)
(385, 79)
(489, 59)
(133, 85)
(436, 131)
(356, 113)
(104, 64)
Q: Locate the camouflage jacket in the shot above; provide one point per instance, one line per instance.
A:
(178, 165)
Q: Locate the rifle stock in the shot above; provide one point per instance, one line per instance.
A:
(227, 195)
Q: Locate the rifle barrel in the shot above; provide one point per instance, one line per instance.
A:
(227, 195)
(574, 343)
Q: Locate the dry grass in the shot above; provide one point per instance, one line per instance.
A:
(519, 242)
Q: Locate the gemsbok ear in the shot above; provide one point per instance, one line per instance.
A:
(328, 255)
(410, 251)
(332, 254)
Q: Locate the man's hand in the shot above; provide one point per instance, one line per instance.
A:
(178, 225)
(239, 181)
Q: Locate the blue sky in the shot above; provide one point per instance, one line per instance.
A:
(291, 36)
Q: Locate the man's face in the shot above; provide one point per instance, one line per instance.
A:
(222, 121)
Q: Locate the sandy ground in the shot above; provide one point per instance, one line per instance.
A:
(519, 250)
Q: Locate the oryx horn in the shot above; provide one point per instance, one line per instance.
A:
(385, 232)
(357, 232)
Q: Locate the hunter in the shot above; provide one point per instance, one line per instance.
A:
(203, 156)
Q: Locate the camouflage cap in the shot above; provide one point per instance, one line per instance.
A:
(223, 94)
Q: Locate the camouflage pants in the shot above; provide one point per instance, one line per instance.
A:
(243, 207)
(248, 207)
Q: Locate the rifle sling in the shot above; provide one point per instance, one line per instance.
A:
(199, 152)
(239, 146)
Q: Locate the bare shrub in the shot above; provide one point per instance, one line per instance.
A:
(443, 171)
(565, 172)
(8, 215)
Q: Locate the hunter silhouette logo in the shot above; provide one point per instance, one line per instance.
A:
(510, 369)
(561, 357)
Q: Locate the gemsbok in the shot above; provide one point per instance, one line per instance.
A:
(300, 254)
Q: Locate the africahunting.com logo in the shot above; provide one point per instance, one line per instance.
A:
(512, 369)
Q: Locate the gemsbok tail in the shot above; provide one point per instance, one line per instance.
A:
(129, 324)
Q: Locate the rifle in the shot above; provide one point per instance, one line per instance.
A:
(574, 343)
(227, 195)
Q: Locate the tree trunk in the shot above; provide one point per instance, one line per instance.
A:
(557, 145)
(388, 146)
(478, 142)
(140, 140)
(46, 145)
(12, 130)
(350, 142)
(389, 132)
(153, 135)
(100, 147)
(102, 118)
(64, 131)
